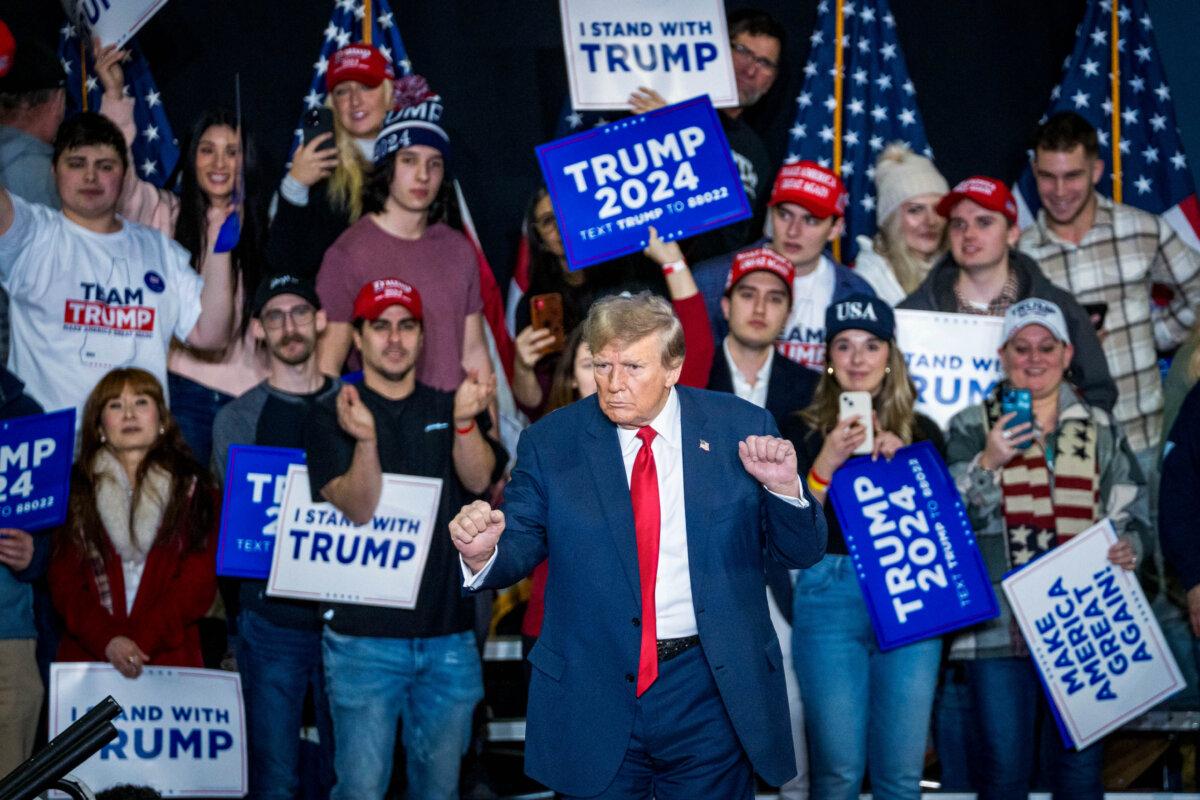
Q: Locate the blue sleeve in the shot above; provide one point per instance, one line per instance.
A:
(1179, 500)
(522, 545)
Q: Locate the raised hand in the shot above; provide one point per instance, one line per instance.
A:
(1003, 444)
(660, 252)
(645, 99)
(475, 531)
(354, 417)
(311, 164)
(531, 342)
(772, 462)
(108, 67)
(472, 397)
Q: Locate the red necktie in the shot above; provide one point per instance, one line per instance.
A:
(643, 488)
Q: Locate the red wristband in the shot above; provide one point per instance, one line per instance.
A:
(466, 430)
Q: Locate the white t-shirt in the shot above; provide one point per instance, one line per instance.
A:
(803, 337)
(82, 303)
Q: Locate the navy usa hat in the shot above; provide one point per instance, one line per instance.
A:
(860, 312)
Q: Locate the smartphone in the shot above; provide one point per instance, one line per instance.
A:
(1096, 313)
(317, 121)
(1021, 402)
(858, 404)
(546, 311)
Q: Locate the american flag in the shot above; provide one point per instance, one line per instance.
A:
(1155, 175)
(878, 104)
(155, 149)
(346, 26)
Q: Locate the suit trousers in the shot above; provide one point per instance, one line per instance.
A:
(683, 744)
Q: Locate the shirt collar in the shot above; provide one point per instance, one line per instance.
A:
(666, 426)
(735, 373)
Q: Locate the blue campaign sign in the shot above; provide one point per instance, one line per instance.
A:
(35, 469)
(670, 168)
(254, 482)
(913, 548)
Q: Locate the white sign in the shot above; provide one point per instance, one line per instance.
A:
(114, 21)
(1102, 656)
(182, 730)
(679, 48)
(322, 555)
(953, 359)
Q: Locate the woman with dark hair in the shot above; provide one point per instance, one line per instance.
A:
(216, 158)
(133, 568)
(863, 709)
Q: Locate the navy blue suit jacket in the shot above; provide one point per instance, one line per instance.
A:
(569, 501)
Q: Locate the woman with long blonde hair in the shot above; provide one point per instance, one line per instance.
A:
(861, 706)
(322, 192)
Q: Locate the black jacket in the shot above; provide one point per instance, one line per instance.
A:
(1089, 369)
(790, 386)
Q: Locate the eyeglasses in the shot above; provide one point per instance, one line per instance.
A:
(746, 54)
(299, 315)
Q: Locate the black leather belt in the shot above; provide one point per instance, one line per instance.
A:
(670, 648)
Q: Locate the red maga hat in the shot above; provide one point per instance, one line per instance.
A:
(808, 184)
(987, 192)
(375, 297)
(760, 259)
(358, 62)
(8, 46)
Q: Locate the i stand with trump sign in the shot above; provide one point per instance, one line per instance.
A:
(181, 731)
(322, 555)
(913, 548)
(1097, 646)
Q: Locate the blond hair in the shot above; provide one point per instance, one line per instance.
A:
(626, 318)
(909, 267)
(893, 404)
(345, 190)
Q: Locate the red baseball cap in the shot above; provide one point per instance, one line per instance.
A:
(8, 46)
(760, 259)
(987, 192)
(358, 62)
(375, 297)
(810, 185)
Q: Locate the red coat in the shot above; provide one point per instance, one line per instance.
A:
(175, 592)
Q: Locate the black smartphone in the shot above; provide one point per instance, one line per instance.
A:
(1020, 401)
(1096, 313)
(318, 121)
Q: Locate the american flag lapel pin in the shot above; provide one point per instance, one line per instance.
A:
(704, 445)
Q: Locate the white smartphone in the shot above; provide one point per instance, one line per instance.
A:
(858, 404)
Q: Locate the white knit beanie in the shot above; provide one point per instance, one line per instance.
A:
(900, 174)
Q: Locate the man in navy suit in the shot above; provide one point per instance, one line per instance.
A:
(657, 672)
(757, 303)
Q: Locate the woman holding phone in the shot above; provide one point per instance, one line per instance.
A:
(1029, 486)
(861, 706)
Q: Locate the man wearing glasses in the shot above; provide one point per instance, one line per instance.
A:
(279, 641)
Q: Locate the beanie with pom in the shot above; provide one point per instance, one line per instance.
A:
(900, 174)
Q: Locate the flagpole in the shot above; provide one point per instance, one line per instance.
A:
(1115, 74)
(838, 60)
(366, 36)
(83, 72)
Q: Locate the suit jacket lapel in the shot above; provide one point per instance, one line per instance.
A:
(608, 470)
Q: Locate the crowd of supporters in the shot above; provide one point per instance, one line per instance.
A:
(347, 321)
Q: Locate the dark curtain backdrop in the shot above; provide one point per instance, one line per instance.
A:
(983, 70)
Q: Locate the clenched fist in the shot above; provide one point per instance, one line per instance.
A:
(475, 531)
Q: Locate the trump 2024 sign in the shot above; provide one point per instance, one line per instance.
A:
(913, 548)
(670, 168)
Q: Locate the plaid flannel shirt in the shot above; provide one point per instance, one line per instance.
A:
(1119, 258)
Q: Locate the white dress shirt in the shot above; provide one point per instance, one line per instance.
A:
(674, 613)
(757, 393)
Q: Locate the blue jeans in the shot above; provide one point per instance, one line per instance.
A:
(861, 706)
(278, 665)
(1009, 703)
(194, 407)
(432, 685)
